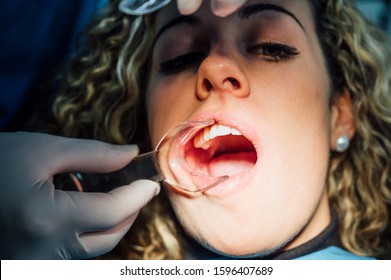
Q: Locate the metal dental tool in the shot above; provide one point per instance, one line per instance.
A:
(166, 163)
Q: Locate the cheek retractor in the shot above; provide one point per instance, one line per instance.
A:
(172, 160)
(167, 163)
(141, 7)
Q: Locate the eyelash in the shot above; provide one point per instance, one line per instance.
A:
(269, 51)
(273, 51)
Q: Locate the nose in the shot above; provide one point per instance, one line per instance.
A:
(221, 74)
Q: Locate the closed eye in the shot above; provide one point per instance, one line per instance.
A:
(182, 62)
(273, 51)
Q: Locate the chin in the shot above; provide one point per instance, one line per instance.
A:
(257, 228)
(236, 232)
(244, 244)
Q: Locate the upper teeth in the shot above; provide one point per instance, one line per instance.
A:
(211, 132)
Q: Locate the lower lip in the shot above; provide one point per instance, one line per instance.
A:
(231, 186)
(237, 182)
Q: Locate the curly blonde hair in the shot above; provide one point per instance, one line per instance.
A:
(101, 98)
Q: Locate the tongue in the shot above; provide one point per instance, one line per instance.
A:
(231, 164)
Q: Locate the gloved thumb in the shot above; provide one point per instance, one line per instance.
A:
(106, 220)
(103, 211)
(223, 8)
(187, 7)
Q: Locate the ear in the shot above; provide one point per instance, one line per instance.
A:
(342, 119)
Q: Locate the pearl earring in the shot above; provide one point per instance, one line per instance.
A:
(342, 144)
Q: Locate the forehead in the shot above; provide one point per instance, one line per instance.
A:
(301, 9)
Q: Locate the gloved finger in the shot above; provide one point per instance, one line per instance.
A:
(187, 7)
(90, 156)
(99, 243)
(223, 8)
(102, 211)
(46, 155)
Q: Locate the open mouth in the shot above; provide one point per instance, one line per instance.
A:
(219, 150)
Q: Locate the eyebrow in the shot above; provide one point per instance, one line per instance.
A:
(190, 20)
(253, 10)
(245, 13)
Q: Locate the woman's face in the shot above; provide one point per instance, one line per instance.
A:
(260, 75)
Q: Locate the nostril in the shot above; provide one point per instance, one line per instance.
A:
(234, 82)
(207, 85)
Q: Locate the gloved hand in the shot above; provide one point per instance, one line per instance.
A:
(220, 8)
(39, 222)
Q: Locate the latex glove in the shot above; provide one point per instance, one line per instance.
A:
(39, 222)
(220, 8)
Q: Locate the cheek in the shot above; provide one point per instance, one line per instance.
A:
(306, 89)
(303, 118)
(169, 103)
(296, 136)
(297, 95)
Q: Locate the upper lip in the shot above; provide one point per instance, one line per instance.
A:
(231, 120)
(241, 123)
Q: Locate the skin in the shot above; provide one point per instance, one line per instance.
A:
(283, 105)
